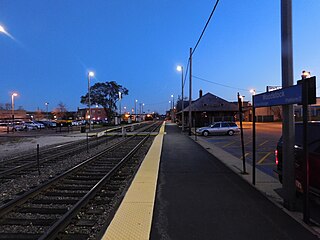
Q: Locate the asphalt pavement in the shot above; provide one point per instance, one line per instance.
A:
(200, 197)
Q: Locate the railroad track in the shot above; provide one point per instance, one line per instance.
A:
(14, 167)
(78, 203)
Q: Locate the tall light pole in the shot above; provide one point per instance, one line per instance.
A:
(172, 107)
(180, 69)
(90, 74)
(47, 110)
(135, 107)
(190, 92)
(12, 106)
(120, 105)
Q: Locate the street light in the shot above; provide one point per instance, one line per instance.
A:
(47, 110)
(2, 30)
(90, 74)
(12, 106)
(305, 74)
(253, 91)
(172, 107)
(120, 105)
(135, 107)
(180, 69)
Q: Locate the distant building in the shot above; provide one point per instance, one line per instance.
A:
(18, 114)
(97, 114)
(207, 109)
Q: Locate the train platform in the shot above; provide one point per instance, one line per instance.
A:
(189, 190)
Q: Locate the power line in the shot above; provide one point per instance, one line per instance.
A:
(204, 29)
(186, 74)
(205, 80)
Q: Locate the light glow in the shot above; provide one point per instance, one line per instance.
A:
(91, 74)
(2, 29)
(179, 68)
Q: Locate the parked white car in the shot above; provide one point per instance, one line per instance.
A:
(219, 128)
(31, 125)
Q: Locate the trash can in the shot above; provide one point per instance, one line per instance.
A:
(83, 129)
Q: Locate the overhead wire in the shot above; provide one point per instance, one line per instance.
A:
(204, 29)
(202, 33)
(223, 85)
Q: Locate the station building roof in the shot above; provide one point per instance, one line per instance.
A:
(210, 102)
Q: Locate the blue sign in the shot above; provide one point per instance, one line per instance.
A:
(284, 96)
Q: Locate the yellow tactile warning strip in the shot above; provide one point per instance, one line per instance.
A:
(134, 216)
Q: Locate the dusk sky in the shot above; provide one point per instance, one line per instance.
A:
(54, 43)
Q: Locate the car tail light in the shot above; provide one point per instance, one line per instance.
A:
(276, 155)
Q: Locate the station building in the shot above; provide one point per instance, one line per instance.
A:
(210, 108)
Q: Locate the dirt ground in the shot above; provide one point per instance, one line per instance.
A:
(10, 145)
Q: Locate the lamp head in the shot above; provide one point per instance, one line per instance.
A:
(305, 74)
(91, 74)
(2, 29)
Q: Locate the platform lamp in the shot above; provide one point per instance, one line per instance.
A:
(12, 106)
(90, 74)
(180, 69)
(135, 107)
(47, 104)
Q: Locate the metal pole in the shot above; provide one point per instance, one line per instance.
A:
(195, 129)
(182, 103)
(306, 208)
(38, 158)
(89, 101)
(242, 140)
(288, 170)
(190, 92)
(87, 143)
(135, 109)
(47, 111)
(253, 142)
(12, 102)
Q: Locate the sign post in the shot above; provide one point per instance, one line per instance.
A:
(303, 93)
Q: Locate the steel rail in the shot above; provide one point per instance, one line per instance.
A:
(32, 163)
(5, 208)
(64, 220)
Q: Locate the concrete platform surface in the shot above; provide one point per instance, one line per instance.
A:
(199, 197)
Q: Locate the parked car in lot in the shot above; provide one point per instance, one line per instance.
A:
(48, 124)
(314, 156)
(34, 125)
(4, 127)
(219, 128)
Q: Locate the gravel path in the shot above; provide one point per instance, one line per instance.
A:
(12, 146)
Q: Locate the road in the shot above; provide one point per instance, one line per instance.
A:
(267, 136)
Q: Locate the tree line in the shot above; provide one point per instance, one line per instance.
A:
(105, 94)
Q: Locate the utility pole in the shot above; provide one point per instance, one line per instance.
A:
(182, 102)
(287, 110)
(190, 92)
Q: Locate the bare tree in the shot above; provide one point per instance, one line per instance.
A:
(39, 114)
(60, 111)
(7, 106)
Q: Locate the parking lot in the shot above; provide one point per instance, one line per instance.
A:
(267, 136)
